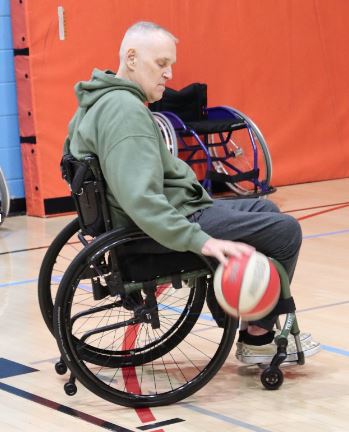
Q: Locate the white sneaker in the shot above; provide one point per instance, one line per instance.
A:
(252, 354)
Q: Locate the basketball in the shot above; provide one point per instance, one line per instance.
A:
(248, 287)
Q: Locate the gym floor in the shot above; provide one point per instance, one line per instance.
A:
(313, 397)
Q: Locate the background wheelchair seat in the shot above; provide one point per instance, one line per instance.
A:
(214, 126)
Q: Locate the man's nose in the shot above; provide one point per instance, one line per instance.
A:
(168, 73)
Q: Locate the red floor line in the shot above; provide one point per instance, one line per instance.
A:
(316, 207)
(130, 375)
(322, 212)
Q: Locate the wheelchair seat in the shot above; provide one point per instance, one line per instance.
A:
(147, 260)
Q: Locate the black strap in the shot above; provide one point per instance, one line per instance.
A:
(78, 179)
(27, 139)
(73, 172)
(21, 51)
(226, 178)
(284, 306)
(176, 281)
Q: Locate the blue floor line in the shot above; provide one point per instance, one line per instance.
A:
(224, 418)
(22, 282)
(322, 306)
(335, 350)
(326, 234)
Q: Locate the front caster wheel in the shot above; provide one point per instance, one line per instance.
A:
(272, 378)
(70, 388)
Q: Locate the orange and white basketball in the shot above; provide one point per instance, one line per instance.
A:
(248, 287)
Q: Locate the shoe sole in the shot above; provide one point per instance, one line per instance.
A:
(303, 337)
(292, 357)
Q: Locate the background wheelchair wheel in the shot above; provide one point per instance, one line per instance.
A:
(4, 198)
(240, 156)
(136, 364)
(167, 132)
(56, 260)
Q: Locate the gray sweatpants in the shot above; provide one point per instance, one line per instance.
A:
(259, 223)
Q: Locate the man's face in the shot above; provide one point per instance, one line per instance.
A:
(153, 65)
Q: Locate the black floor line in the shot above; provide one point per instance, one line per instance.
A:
(63, 408)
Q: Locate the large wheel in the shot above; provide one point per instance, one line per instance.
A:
(56, 260)
(245, 150)
(4, 198)
(130, 362)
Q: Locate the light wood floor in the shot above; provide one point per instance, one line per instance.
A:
(314, 397)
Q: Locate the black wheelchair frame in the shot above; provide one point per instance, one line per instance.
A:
(129, 310)
(136, 323)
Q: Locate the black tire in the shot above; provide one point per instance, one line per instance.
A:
(57, 258)
(171, 362)
(4, 198)
(70, 389)
(61, 368)
(272, 378)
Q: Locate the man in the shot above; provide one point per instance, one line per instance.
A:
(160, 194)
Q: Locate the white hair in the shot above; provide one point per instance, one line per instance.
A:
(140, 29)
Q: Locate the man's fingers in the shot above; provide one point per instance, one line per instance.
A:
(222, 258)
(222, 249)
(237, 249)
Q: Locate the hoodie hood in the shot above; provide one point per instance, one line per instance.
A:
(88, 92)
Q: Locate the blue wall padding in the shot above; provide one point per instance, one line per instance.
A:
(9, 135)
(5, 32)
(7, 71)
(8, 102)
(5, 7)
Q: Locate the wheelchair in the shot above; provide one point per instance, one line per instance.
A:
(136, 323)
(222, 139)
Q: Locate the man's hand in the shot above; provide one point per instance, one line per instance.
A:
(222, 249)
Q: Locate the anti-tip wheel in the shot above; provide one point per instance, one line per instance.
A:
(61, 368)
(272, 378)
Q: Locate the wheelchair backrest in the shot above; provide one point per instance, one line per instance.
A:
(189, 103)
(87, 187)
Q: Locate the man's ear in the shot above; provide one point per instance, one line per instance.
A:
(131, 58)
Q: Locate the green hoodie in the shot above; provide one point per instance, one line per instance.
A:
(146, 185)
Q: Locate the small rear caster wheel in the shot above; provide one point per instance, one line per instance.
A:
(272, 378)
(61, 367)
(70, 388)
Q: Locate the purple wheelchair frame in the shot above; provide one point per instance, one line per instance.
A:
(220, 113)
